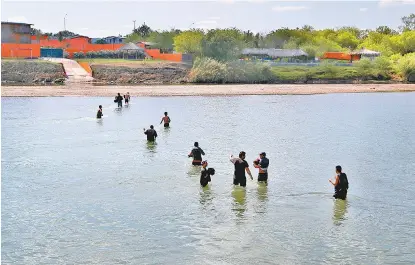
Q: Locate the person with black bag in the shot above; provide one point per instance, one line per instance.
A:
(341, 184)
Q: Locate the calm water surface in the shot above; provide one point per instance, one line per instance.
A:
(80, 191)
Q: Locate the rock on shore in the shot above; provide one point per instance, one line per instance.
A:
(146, 74)
(27, 72)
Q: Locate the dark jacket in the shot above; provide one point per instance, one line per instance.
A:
(196, 153)
(151, 134)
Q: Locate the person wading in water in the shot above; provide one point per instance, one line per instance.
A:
(262, 164)
(99, 112)
(166, 120)
(151, 134)
(241, 166)
(118, 99)
(196, 153)
(205, 174)
(341, 184)
(127, 98)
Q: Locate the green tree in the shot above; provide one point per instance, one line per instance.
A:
(408, 41)
(143, 31)
(164, 39)
(408, 22)
(223, 44)
(189, 42)
(347, 39)
(386, 30)
(65, 34)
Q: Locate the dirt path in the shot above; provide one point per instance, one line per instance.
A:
(199, 90)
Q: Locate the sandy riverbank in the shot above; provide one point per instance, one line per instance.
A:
(199, 90)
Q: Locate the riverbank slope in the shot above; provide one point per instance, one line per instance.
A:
(31, 72)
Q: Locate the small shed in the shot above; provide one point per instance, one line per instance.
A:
(366, 53)
(131, 50)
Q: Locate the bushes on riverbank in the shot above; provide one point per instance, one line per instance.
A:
(405, 66)
(208, 70)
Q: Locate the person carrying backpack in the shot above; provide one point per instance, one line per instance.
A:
(196, 153)
(341, 184)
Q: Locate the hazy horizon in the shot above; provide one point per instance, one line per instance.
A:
(104, 18)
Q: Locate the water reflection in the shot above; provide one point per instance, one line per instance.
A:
(118, 110)
(339, 211)
(165, 133)
(194, 171)
(206, 197)
(99, 122)
(262, 191)
(151, 146)
(239, 201)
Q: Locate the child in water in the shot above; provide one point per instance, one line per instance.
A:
(166, 120)
(127, 98)
(99, 113)
(205, 174)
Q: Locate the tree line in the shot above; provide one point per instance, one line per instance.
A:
(226, 44)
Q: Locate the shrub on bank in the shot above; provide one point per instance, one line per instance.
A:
(405, 66)
(249, 72)
(78, 55)
(208, 70)
(382, 67)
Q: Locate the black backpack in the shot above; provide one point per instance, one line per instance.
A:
(344, 182)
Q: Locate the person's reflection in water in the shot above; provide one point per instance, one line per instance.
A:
(262, 192)
(151, 146)
(99, 121)
(339, 211)
(206, 197)
(239, 201)
(118, 111)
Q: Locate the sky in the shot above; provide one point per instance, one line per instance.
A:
(104, 18)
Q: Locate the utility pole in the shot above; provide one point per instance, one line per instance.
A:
(134, 24)
(64, 22)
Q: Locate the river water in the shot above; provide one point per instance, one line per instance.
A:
(80, 191)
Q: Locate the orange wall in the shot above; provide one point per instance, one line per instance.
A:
(340, 56)
(86, 66)
(74, 45)
(19, 50)
(155, 53)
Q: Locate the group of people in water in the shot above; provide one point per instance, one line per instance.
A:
(340, 183)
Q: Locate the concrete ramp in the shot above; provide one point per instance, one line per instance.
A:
(74, 71)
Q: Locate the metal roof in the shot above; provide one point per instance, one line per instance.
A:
(130, 47)
(15, 23)
(275, 52)
(366, 52)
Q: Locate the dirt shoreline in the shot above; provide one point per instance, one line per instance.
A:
(82, 90)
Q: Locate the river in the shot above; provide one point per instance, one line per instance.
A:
(80, 191)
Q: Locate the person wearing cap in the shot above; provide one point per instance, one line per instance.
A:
(205, 174)
(151, 134)
(196, 153)
(262, 164)
(241, 166)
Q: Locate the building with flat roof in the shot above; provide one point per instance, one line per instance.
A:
(14, 32)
